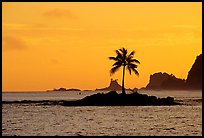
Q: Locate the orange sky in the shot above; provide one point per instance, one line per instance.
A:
(52, 45)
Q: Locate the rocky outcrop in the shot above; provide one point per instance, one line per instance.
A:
(161, 81)
(164, 81)
(194, 78)
(114, 86)
(112, 98)
(173, 83)
(156, 81)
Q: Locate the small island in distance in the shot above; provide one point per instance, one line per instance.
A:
(64, 89)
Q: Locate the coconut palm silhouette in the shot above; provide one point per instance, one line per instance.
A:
(125, 60)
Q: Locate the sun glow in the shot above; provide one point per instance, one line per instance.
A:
(52, 45)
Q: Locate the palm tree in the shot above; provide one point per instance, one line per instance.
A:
(122, 59)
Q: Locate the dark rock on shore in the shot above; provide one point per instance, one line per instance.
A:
(114, 99)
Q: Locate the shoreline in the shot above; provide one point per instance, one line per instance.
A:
(111, 98)
(186, 102)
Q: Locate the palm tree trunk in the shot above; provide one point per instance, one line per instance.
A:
(123, 87)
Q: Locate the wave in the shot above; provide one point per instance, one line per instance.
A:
(39, 102)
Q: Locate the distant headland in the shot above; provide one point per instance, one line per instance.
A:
(164, 81)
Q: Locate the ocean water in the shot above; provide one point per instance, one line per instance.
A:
(56, 120)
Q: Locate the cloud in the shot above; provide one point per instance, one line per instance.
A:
(16, 26)
(54, 61)
(37, 27)
(13, 25)
(12, 43)
(57, 13)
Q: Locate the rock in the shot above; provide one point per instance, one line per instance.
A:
(114, 86)
(112, 93)
(164, 81)
(73, 89)
(194, 78)
(60, 89)
(112, 98)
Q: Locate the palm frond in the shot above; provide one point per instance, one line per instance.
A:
(112, 58)
(133, 61)
(114, 69)
(119, 55)
(130, 65)
(123, 50)
(118, 63)
(135, 71)
(129, 70)
(131, 54)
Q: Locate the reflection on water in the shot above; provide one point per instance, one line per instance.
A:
(104, 120)
(28, 119)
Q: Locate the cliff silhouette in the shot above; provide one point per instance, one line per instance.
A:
(164, 81)
(194, 78)
(160, 81)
